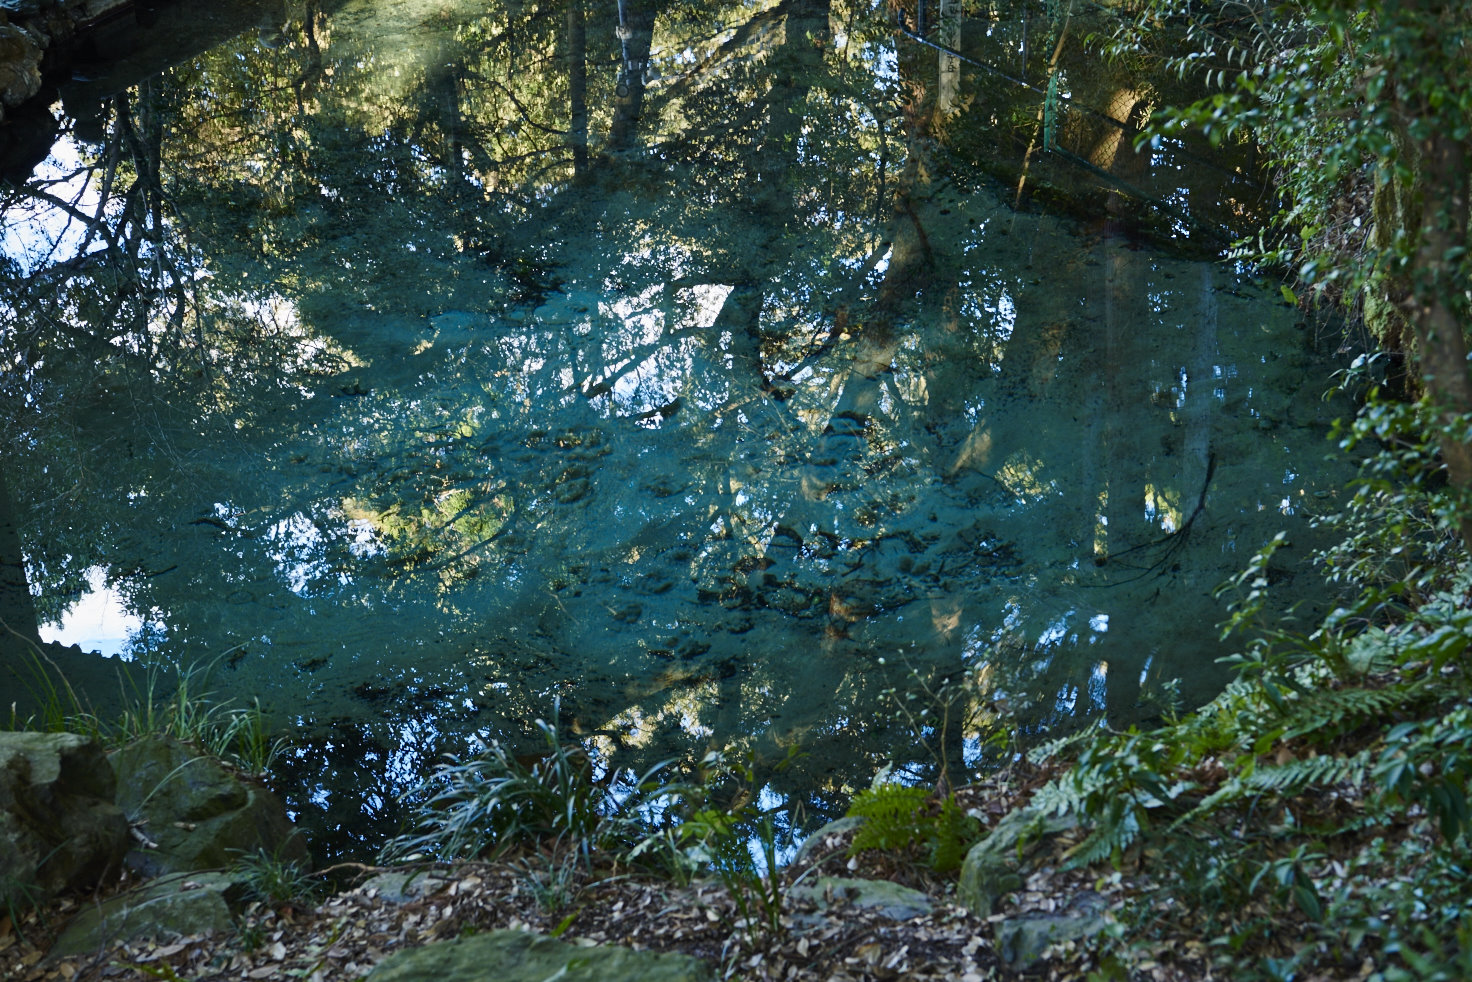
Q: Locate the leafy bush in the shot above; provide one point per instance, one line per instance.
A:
(1315, 814)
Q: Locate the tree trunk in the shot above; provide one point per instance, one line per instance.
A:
(577, 131)
(1435, 309)
(1437, 305)
(18, 625)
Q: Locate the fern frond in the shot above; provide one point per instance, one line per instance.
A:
(890, 813)
(1322, 771)
(1115, 831)
(1284, 780)
(1064, 797)
(1330, 713)
(1055, 748)
(897, 817)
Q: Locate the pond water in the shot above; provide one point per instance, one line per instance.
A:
(748, 376)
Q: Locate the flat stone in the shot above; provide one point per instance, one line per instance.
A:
(898, 903)
(400, 888)
(174, 906)
(1021, 941)
(519, 956)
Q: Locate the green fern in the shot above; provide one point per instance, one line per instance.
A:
(1115, 829)
(1324, 771)
(1284, 781)
(1059, 798)
(955, 832)
(1330, 713)
(891, 813)
(898, 817)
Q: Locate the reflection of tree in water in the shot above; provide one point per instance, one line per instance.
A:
(694, 404)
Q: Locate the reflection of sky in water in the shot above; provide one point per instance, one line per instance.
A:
(35, 232)
(99, 620)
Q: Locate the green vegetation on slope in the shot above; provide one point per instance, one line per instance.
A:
(1313, 820)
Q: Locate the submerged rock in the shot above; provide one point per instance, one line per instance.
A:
(20, 66)
(59, 828)
(519, 956)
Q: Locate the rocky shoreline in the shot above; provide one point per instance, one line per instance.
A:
(83, 53)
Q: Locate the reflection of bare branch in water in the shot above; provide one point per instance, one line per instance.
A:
(1173, 541)
(109, 250)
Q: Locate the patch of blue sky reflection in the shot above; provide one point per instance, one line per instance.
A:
(297, 549)
(1099, 685)
(99, 620)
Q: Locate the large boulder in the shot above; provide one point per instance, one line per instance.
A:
(195, 812)
(519, 956)
(59, 828)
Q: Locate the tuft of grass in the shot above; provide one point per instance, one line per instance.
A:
(497, 802)
(277, 882)
(238, 735)
(553, 881)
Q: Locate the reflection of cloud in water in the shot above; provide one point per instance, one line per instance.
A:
(299, 550)
(99, 620)
(297, 553)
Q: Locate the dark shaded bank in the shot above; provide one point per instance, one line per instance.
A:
(86, 52)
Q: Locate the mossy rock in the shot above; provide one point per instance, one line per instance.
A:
(59, 828)
(197, 813)
(994, 866)
(519, 956)
(175, 906)
(1022, 941)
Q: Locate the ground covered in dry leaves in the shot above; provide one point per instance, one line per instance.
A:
(819, 938)
(343, 936)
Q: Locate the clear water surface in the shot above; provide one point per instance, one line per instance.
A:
(744, 375)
